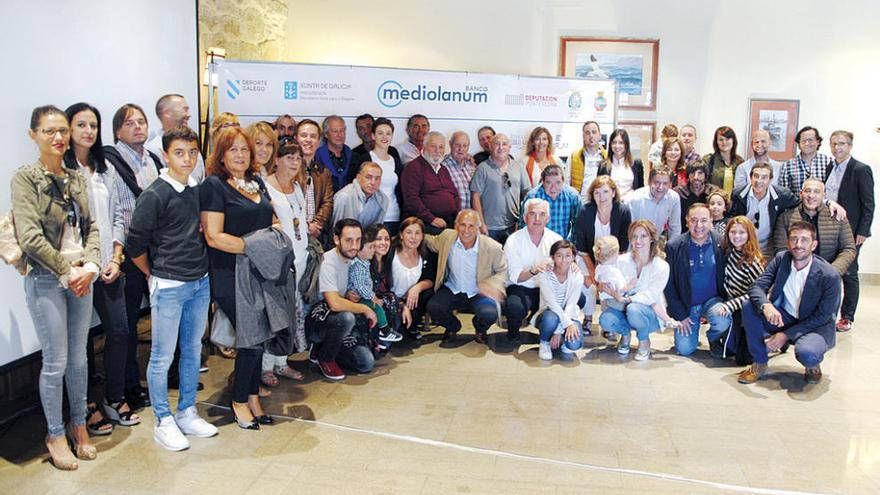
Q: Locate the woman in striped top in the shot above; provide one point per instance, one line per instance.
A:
(744, 265)
(558, 317)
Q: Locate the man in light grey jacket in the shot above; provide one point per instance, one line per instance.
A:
(362, 200)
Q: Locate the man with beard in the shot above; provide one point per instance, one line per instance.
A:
(429, 191)
(697, 190)
(285, 127)
(760, 154)
(780, 306)
(762, 202)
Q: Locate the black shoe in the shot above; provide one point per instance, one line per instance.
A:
(253, 425)
(265, 419)
(449, 340)
(716, 349)
(138, 398)
(513, 337)
(481, 338)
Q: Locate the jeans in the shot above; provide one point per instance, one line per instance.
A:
(687, 344)
(135, 290)
(109, 301)
(500, 235)
(61, 321)
(520, 301)
(809, 350)
(327, 335)
(851, 289)
(358, 358)
(444, 302)
(548, 322)
(181, 309)
(637, 316)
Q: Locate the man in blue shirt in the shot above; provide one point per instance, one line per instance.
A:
(695, 286)
(563, 199)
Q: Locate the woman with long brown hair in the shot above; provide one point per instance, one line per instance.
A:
(723, 162)
(672, 156)
(628, 173)
(539, 154)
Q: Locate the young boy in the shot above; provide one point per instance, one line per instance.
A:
(165, 242)
(360, 281)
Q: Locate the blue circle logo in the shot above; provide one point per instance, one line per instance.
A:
(388, 94)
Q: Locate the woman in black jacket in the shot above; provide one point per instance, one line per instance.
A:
(627, 173)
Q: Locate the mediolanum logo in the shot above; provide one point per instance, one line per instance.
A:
(391, 93)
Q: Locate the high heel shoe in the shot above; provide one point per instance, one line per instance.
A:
(63, 460)
(252, 425)
(86, 452)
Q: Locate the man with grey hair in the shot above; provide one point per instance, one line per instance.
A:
(461, 166)
(471, 275)
(564, 201)
(528, 255)
(334, 154)
(760, 153)
(428, 189)
(173, 111)
(362, 199)
(497, 188)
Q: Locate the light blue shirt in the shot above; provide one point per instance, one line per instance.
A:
(462, 268)
(832, 185)
(742, 175)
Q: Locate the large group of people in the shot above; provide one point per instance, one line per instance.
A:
(304, 243)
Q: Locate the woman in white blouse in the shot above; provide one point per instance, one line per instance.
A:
(627, 173)
(645, 303)
(285, 185)
(387, 157)
(558, 316)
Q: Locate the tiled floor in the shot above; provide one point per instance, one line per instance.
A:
(478, 420)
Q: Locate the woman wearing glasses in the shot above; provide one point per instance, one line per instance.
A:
(57, 234)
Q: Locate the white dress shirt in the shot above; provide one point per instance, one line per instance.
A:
(793, 290)
(522, 254)
(760, 207)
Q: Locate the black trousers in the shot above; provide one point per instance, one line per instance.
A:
(135, 290)
(248, 360)
(418, 314)
(110, 303)
(851, 289)
(444, 302)
(520, 301)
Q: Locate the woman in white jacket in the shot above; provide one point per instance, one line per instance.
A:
(558, 317)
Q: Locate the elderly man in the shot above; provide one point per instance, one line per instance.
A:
(688, 137)
(564, 201)
(334, 154)
(471, 275)
(762, 202)
(583, 165)
(808, 163)
(429, 191)
(695, 286)
(363, 124)
(780, 305)
(657, 203)
(362, 200)
(528, 255)
(851, 183)
(285, 127)
(697, 190)
(484, 138)
(417, 127)
(835, 242)
(173, 111)
(497, 188)
(461, 166)
(760, 154)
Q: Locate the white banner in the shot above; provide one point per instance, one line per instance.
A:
(466, 101)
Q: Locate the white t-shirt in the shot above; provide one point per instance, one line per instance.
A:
(601, 229)
(387, 186)
(288, 207)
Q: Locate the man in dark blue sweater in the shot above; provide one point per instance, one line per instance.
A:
(166, 244)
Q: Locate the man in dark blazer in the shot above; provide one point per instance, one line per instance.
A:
(794, 300)
(850, 183)
(762, 202)
(696, 283)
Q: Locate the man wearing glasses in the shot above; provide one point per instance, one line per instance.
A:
(497, 189)
(762, 202)
(809, 163)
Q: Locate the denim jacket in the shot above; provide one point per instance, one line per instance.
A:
(40, 219)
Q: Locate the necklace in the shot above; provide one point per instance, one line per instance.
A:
(248, 187)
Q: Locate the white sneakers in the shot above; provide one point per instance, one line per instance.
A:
(544, 351)
(170, 431)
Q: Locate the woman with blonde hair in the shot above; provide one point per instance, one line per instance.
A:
(265, 146)
(222, 121)
(539, 154)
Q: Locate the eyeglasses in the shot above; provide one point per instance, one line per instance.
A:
(505, 180)
(49, 133)
(757, 220)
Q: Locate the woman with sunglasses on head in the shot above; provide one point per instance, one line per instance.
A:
(57, 233)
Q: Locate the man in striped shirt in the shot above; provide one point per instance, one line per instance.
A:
(460, 166)
(808, 163)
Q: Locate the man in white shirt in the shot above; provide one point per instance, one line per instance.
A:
(528, 255)
(658, 203)
(417, 128)
(762, 202)
(760, 153)
(173, 111)
(780, 306)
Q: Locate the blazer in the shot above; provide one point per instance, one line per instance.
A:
(781, 199)
(585, 227)
(837, 244)
(819, 301)
(856, 195)
(491, 262)
(637, 169)
(678, 288)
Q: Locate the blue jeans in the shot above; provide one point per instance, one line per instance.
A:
(638, 317)
(548, 322)
(687, 344)
(499, 235)
(181, 309)
(61, 321)
(809, 350)
(358, 358)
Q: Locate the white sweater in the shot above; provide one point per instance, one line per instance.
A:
(568, 312)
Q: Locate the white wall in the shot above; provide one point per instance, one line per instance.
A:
(106, 52)
(713, 55)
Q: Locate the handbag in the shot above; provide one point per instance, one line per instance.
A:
(308, 283)
(222, 330)
(10, 251)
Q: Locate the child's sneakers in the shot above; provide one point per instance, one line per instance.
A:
(386, 334)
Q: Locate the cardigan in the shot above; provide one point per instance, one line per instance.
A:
(585, 227)
(429, 195)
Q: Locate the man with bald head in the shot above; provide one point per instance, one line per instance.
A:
(173, 111)
(760, 153)
(497, 189)
(461, 166)
(471, 276)
(362, 200)
(429, 192)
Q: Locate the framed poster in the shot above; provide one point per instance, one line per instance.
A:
(780, 119)
(641, 134)
(631, 62)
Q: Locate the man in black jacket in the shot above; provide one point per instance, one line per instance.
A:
(850, 183)
(762, 202)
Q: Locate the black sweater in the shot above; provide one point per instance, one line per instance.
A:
(165, 224)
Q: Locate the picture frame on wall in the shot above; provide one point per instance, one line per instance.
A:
(642, 133)
(779, 117)
(631, 62)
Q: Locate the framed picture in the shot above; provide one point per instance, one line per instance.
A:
(630, 62)
(642, 134)
(780, 119)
